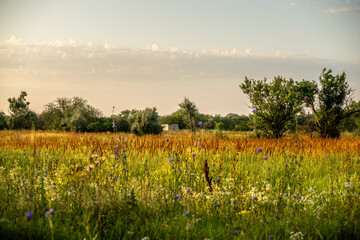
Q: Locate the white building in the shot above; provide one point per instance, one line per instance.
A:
(170, 127)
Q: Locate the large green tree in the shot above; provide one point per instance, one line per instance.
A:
(21, 117)
(189, 110)
(274, 104)
(331, 104)
(146, 122)
(73, 114)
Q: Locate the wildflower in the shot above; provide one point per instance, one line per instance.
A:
(193, 154)
(167, 139)
(23, 153)
(271, 236)
(327, 156)
(254, 198)
(218, 204)
(265, 157)
(177, 196)
(276, 216)
(188, 190)
(288, 131)
(29, 215)
(218, 180)
(113, 125)
(199, 143)
(185, 214)
(52, 211)
(47, 214)
(258, 150)
(235, 232)
(295, 141)
(254, 110)
(200, 123)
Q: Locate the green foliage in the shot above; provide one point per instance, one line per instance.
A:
(20, 115)
(175, 118)
(275, 104)
(146, 122)
(2, 121)
(330, 104)
(189, 110)
(220, 126)
(69, 114)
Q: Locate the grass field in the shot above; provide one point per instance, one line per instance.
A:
(178, 186)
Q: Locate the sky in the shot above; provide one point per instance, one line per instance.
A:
(153, 53)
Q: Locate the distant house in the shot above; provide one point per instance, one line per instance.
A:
(170, 127)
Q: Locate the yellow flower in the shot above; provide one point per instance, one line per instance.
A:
(243, 212)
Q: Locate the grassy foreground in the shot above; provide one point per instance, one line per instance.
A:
(178, 186)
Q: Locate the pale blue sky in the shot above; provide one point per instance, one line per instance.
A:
(203, 48)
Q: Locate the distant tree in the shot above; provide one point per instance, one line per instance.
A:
(20, 115)
(146, 122)
(2, 121)
(275, 104)
(189, 110)
(331, 104)
(243, 123)
(176, 117)
(69, 114)
(220, 126)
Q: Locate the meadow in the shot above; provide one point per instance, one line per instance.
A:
(202, 185)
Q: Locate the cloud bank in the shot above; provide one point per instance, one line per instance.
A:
(108, 75)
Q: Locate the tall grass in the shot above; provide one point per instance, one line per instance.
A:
(178, 186)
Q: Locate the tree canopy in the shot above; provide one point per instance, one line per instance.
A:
(274, 104)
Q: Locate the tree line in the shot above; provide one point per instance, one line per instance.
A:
(277, 106)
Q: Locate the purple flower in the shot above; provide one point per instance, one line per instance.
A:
(47, 214)
(199, 143)
(113, 125)
(271, 236)
(258, 150)
(254, 110)
(218, 180)
(218, 204)
(177, 196)
(185, 214)
(254, 198)
(52, 211)
(200, 123)
(171, 160)
(29, 215)
(327, 156)
(193, 154)
(235, 232)
(265, 157)
(167, 139)
(288, 131)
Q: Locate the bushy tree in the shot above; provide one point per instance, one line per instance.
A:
(69, 114)
(331, 104)
(189, 110)
(20, 115)
(176, 117)
(2, 121)
(274, 104)
(146, 122)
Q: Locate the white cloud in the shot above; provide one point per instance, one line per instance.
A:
(342, 10)
(292, 4)
(136, 78)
